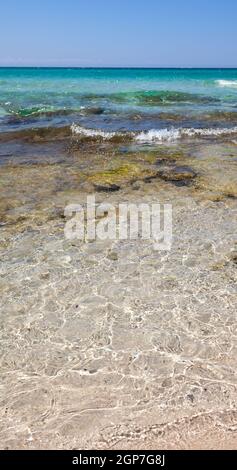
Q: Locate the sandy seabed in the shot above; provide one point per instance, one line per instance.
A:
(111, 344)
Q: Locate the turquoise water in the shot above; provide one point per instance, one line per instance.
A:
(118, 99)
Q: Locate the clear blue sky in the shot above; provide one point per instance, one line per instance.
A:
(118, 32)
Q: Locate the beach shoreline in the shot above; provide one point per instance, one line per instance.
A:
(110, 344)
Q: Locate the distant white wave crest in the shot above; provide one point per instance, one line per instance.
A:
(154, 135)
(227, 83)
(170, 135)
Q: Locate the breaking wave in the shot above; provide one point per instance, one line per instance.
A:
(153, 135)
(170, 135)
(227, 83)
(99, 134)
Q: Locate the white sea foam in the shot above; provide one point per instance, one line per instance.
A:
(170, 135)
(161, 135)
(227, 83)
(154, 135)
(78, 130)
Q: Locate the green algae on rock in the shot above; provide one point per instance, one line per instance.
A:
(113, 179)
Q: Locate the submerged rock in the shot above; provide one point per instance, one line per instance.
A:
(179, 175)
(107, 187)
(113, 256)
(234, 257)
(115, 178)
(92, 111)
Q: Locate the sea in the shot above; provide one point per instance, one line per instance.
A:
(151, 105)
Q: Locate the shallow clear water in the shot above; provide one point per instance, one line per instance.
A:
(118, 99)
(111, 344)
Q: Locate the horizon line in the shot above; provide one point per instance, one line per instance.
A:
(114, 67)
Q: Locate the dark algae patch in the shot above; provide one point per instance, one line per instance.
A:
(152, 98)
